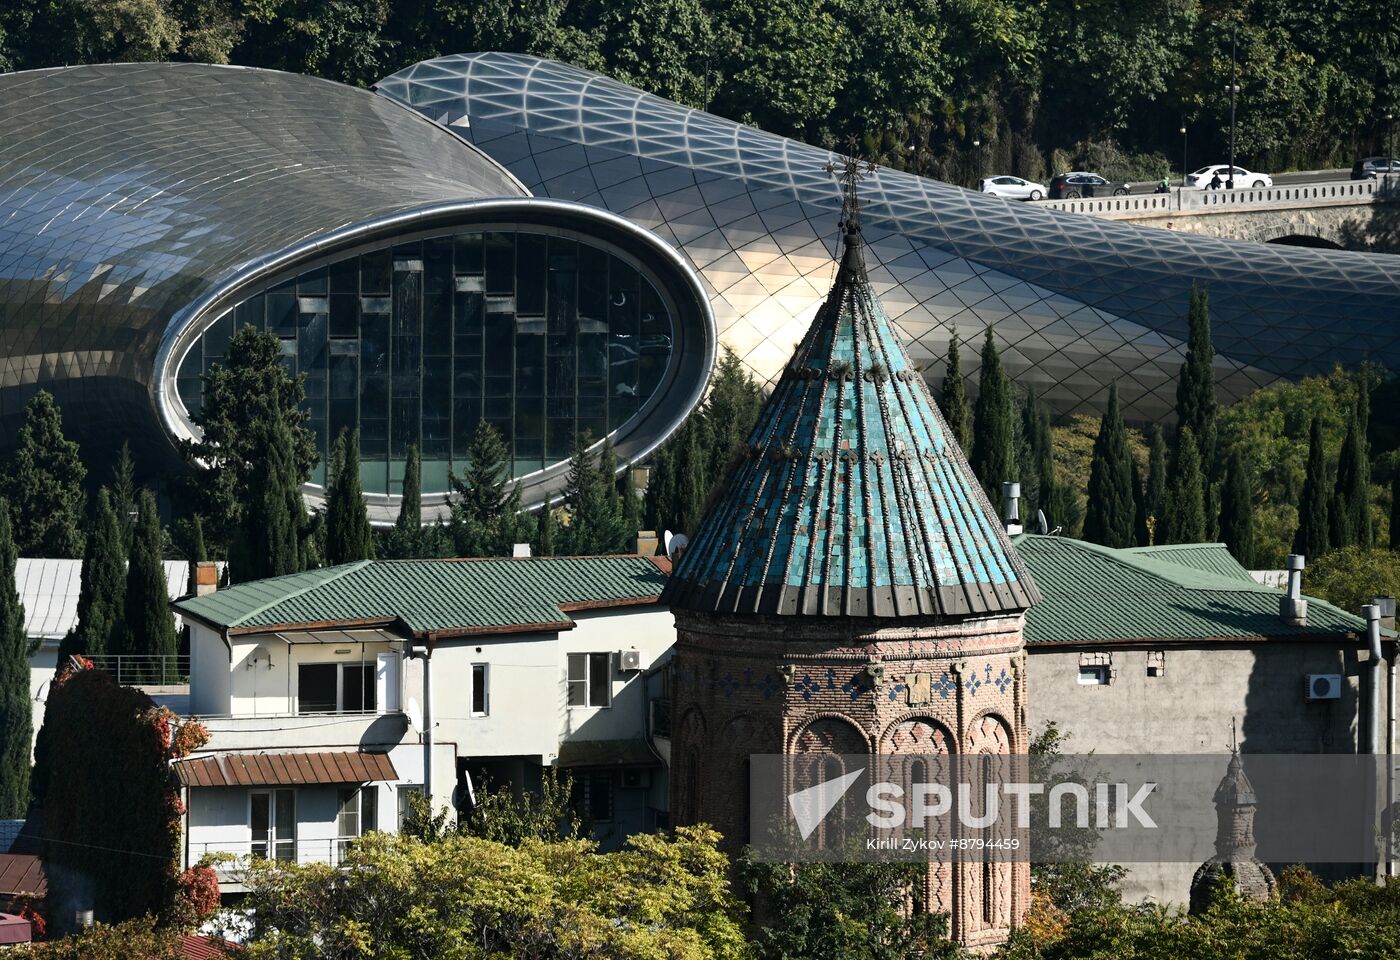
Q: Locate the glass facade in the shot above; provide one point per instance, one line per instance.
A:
(542, 336)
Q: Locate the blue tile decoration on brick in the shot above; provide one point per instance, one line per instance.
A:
(806, 686)
(945, 685)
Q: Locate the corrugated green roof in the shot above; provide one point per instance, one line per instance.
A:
(1206, 557)
(1094, 594)
(432, 596)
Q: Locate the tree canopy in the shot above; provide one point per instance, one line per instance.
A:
(44, 484)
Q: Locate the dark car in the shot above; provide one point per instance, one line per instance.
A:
(1373, 167)
(1074, 185)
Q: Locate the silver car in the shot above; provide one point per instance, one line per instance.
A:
(1012, 188)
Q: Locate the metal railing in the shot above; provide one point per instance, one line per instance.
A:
(145, 669)
(1343, 191)
(291, 851)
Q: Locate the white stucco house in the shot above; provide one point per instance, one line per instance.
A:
(326, 692)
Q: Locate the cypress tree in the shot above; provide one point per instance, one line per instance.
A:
(952, 398)
(1184, 513)
(1237, 509)
(993, 424)
(595, 524)
(483, 503)
(268, 542)
(1395, 511)
(348, 534)
(1348, 509)
(1311, 538)
(124, 493)
(1365, 530)
(1109, 517)
(195, 551)
(691, 488)
(631, 504)
(1195, 399)
(658, 504)
(410, 518)
(44, 485)
(731, 410)
(102, 590)
(544, 532)
(16, 714)
(148, 625)
(1154, 491)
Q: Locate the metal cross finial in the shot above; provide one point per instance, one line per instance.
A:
(850, 169)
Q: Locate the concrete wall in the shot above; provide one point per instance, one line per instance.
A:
(1190, 709)
(41, 669)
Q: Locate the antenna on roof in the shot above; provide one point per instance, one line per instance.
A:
(675, 544)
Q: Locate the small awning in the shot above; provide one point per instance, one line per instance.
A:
(606, 753)
(285, 769)
(339, 636)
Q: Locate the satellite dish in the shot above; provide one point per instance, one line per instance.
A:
(675, 543)
(621, 299)
(1042, 525)
(415, 715)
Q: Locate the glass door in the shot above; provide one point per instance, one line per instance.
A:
(272, 822)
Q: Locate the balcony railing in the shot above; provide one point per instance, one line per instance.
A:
(137, 670)
(291, 851)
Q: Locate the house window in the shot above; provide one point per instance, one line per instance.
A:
(357, 814)
(336, 688)
(1092, 675)
(272, 823)
(590, 679)
(1156, 663)
(406, 794)
(481, 694)
(593, 798)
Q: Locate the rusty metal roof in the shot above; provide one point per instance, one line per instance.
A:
(260, 769)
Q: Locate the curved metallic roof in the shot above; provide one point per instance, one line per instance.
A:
(128, 190)
(1078, 302)
(854, 499)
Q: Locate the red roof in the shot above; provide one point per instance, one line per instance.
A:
(22, 875)
(206, 948)
(284, 769)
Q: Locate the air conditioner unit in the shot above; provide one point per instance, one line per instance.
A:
(1324, 686)
(629, 660)
(636, 779)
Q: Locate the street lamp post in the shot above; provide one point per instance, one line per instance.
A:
(1234, 91)
(977, 145)
(1183, 154)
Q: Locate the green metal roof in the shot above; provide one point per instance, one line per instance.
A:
(1205, 557)
(1094, 594)
(435, 596)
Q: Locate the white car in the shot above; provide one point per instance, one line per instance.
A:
(1200, 180)
(1012, 188)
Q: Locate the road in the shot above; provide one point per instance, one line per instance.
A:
(1280, 179)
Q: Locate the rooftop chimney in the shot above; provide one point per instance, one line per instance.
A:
(646, 543)
(206, 577)
(1293, 609)
(1011, 507)
(521, 550)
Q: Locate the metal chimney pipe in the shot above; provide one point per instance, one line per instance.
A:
(1372, 731)
(1292, 608)
(1011, 507)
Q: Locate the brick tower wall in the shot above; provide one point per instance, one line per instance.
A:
(757, 685)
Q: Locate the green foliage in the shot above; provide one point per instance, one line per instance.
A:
(1196, 404)
(138, 939)
(124, 493)
(1154, 491)
(110, 801)
(1237, 509)
(486, 519)
(514, 817)
(410, 519)
(1184, 515)
(102, 591)
(596, 524)
(848, 910)
(44, 484)
(1112, 493)
(191, 535)
(250, 403)
(1349, 510)
(16, 716)
(692, 483)
(729, 412)
(952, 399)
(348, 534)
(1308, 921)
(993, 457)
(148, 627)
(463, 898)
(1353, 576)
(268, 540)
(1312, 540)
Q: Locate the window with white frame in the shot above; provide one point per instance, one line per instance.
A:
(1093, 675)
(481, 689)
(590, 679)
(336, 688)
(272, 824)
(357, 814)
(407, 792)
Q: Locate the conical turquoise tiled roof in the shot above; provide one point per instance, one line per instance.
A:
(854, 500)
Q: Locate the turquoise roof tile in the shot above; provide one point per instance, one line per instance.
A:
(854, 500)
